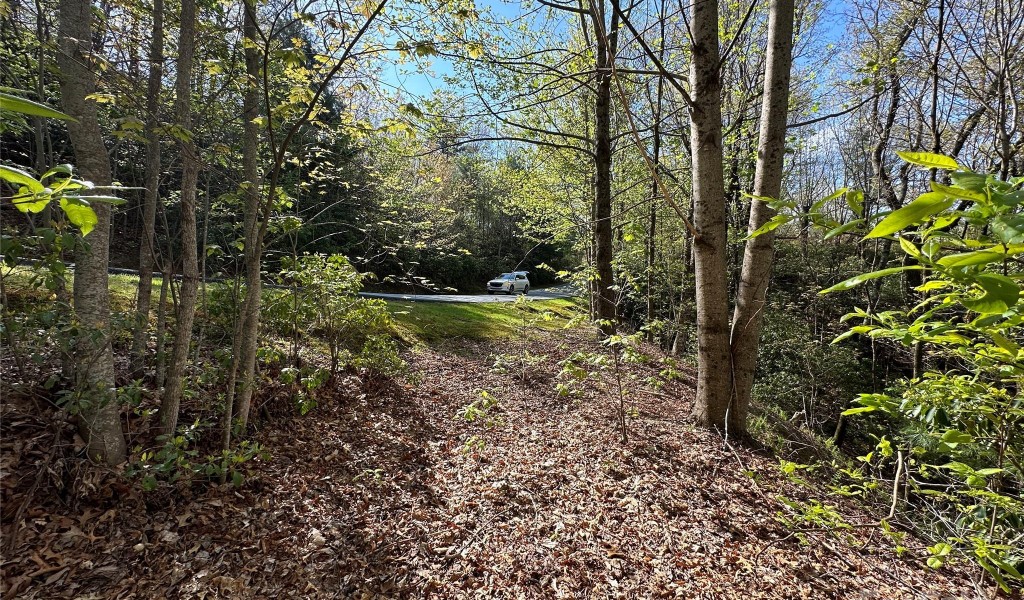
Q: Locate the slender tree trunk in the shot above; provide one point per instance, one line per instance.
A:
(652, 221)
(757, 256)
(605, 51)
(147, 246)
(100, 414)
(202, 267)
(161, 333)
(244, 341)
(171, 401)
(709, 214)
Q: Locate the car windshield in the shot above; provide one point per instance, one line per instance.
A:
(506, 276)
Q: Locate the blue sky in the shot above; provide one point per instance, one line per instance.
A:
(416, 82)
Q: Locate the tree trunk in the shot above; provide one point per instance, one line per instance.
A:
(605, 54)
(100, 421)
(244, 341)
(147, 246)
(652, 221)
(757, 255)
(709, 214)
(171, 401)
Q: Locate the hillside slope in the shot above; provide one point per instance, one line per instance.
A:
(399, 491)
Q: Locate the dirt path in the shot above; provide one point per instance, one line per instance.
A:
(393, 493)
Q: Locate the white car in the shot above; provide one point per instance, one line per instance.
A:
(509, 283)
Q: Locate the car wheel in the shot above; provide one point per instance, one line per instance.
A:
(510, 290)
(526, 290)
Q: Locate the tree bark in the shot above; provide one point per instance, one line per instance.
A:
(171, 401)
(100, 418)
(709, 214)
(605, 54)
(758, 253)
(147, 246)
(244, 341)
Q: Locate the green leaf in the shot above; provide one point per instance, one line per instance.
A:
(954, 437)
(1001, 293)
(989, 471)
(859, 279)
(958, 192)
(966, 259)
(424, 49)
(1009, 229)
(772, 224)
(859, 409)
(845, 227)
(994, 572)
(916, 212)
(969, 180)
(910, 248)
(817, 205)
(855, 199)
(64, 169)
(80, 214)
(1006, 344)
(28, 203)
(929, 160)
(939, 553)
(17, 177)
(28, 107)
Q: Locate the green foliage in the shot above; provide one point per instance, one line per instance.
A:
(481, 410)
(33, 194)
(960, 425)
(12, 103)
(813, 514)
(576, 370)
(798, 375)
(305, 382)
(519, 365)
(324, 302)
(177, 460)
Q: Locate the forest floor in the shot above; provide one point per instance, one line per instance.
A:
(402, 491)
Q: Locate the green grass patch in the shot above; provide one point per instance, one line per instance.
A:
(27, 285)
(415, 322)
(429, 322)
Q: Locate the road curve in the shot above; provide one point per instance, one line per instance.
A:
(552, 293)
(546, 294)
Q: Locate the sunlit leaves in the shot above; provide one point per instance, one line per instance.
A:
(771, 225)
(859, 279)
(924, 206)
(79, 213)
(929, 160)
(24, 106)
(1001, 293)
(19, 178)
(475, 50)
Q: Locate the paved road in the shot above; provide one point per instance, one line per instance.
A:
(551, 293)
(546, 294)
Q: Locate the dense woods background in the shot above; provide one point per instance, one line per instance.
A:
(816, 206)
